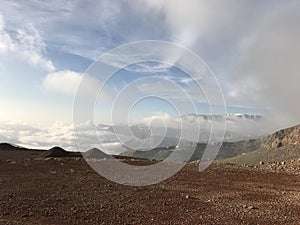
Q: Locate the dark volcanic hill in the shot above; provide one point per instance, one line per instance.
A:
(13, 152)
(57, 152)
(10, 147)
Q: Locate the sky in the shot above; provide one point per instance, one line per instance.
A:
(46, 48)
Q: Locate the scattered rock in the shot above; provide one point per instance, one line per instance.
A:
(249, 207)
(26, 215)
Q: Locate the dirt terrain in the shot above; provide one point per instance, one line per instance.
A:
(67, 191)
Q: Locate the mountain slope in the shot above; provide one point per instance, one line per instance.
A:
(283, 145)
(228, 149)
(153, 154)
(95, 153)
(289, 136)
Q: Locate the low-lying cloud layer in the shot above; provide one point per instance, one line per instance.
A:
(114, 139)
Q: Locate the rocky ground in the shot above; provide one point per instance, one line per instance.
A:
(68, 191)
(289, 166)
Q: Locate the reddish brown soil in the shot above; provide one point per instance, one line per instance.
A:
(68, 191)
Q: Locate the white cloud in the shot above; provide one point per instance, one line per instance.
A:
(193, 21)
(38, 137)
(6, 43)
(68, 82)
(263, 70)
(238, 126)
(147, 67)
(30, 45)
(26, 44)
(267, 72)
(63, 81)
(183, 89)
(157, 118)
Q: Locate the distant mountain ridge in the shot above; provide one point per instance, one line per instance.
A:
(228, 149)
(227, 116)
(14, 152)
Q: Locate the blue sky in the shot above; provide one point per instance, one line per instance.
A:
(45, 47)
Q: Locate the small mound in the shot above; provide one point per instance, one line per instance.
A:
(56, 152)
(95, 153)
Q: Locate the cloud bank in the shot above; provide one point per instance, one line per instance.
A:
(67, 82)
(143, 134)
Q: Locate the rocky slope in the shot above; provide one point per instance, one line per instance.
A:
(289, 136)
(283, 145)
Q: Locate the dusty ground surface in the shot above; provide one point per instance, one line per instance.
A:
(68, 191)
